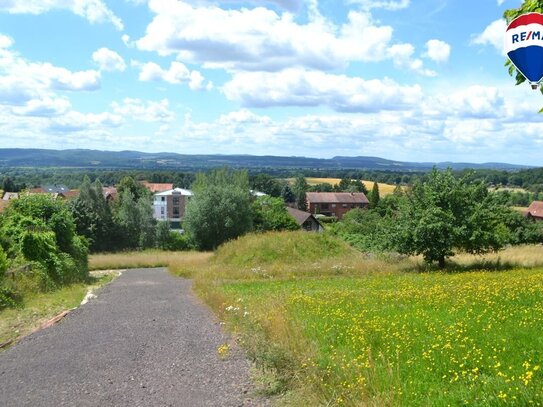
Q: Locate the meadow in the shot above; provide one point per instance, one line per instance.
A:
(327, 325)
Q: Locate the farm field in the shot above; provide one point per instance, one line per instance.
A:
(384, 189)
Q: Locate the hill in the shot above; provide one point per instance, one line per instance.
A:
(15, 157)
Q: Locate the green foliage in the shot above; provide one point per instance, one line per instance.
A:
(93, 217)
(270, 214)
(374, 196)
(129, 184)
(322, 187)
(267, 184)
(287, 194)
(351, 185)
(299, 189)
(220, 209)
(40, 231)
(366, 230)
(446, 214)
(162, 234)
(179, 242)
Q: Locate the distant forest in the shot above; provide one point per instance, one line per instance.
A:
(20, 178)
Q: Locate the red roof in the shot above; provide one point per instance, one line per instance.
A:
(536, 209)
(337, 197)
(156, 187)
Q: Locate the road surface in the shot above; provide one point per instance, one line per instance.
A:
(144, 341)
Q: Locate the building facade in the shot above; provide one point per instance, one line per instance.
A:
(170, 206)
(335, 204)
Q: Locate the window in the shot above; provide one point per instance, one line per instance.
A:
(162, 198)
(324, 206)
(344, 205)
(162, 211)
(176, 211)
(333, 205)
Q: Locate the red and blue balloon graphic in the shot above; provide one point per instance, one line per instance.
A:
(524, 46)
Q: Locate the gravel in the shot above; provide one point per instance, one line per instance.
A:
(144, 341)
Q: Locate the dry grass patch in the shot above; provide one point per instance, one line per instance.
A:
(516, 256)
(180, 263)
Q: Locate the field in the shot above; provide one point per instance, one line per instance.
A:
(384, 189)
(329, 326)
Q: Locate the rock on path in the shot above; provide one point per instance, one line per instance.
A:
(144, 341)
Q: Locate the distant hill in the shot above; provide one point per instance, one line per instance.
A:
(15, 157)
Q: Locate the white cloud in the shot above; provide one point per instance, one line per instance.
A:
(297, 87)
(261, 39)
(492, 35)
(95, 11)
(5, 41)
(79, 122)
(177, 73)
(108, 60)
(45, 107)
(139, 110)
(384, 4)
(438, 51)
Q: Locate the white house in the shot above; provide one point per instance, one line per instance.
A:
(170, 205)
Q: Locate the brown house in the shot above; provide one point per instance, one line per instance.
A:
(535, 211)
(306, 221)
(335, 204)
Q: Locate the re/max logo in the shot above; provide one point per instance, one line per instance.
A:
(527, 36)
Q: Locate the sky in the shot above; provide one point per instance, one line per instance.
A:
(411, 80)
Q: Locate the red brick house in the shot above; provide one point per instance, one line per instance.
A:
(335, 203)
(535, 211)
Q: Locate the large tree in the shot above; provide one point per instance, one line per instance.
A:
(447, 214)
(220, 209)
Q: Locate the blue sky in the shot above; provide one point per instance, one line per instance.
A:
(402, 79)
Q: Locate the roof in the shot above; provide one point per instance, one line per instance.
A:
(54, 189)
(257, 193)
(300, 216)
(175, 191)
(337, 197)
(156, 187)
(73, 193)
(536, 209)
(10, 195)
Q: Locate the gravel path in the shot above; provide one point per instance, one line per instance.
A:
(144, 341)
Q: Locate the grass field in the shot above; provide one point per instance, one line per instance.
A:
(330, 326)
(384, 189)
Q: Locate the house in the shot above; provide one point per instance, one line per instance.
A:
(170, 205)
(335, 204)
(306, 220)
(535, 211)
(156, 187)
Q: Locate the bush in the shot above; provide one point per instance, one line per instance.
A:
(179, 242)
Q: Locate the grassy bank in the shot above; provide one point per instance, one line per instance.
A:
(328, 325)
(38, 308)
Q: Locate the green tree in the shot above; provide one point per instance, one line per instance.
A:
(287, 194)
(267, 184)
(446, 214)
(270, 214)
(220, 209)
(93, 217)
(129, 184)
(300, 188)
(374, 196)
(162, 234)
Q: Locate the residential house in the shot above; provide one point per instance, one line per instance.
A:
(110, 193)
(170, 205)
(306, 220)
(535, 211)
(335, 204)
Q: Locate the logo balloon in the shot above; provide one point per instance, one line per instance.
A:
(524, 46)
